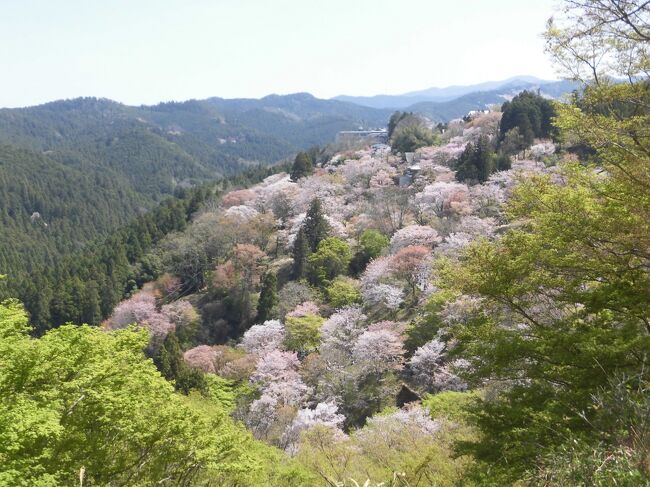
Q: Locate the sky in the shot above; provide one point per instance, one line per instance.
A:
(148, 51)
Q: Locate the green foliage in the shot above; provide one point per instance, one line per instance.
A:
(268, 301)
(343, 291)
(331, 259)
(530, 114)
(84, 286)
(512, 142)
(395, 119)
(620, 454)
(79, 400)
(583, 463)
(303, 332)
(315, 225)
(450, 404)
(426, 325)
(577, 246)
(76, 174)
(371, 245)
(410, 135)
(303, 165)
(477, 161)
(395, 455)
(300, 254)
(82, 399)
(503, 162)
(169, 361)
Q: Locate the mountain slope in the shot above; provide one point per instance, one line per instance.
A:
(48, 208)
(75, 170)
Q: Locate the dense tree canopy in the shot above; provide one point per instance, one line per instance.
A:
(83, 405)
(530, 114)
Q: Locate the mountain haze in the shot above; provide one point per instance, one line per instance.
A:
(440, 95)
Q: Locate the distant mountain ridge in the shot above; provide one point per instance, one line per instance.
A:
(553, 89)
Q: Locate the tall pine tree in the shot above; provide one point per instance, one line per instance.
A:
(315, 225)
(303, 165)
(300, 254)
(268, 297)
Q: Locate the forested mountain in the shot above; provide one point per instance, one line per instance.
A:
(50, 208)
(74, 170)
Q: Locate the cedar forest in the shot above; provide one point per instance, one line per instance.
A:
(478, 315)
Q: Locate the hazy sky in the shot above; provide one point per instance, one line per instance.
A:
(146, 51)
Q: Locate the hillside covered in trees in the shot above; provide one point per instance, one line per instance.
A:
(468, 306)
(78, 171)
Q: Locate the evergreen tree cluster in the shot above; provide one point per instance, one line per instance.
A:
(478, 161)
(313, 230)
(303, 165)
(84, 286)
(530, 114)
(408, 132)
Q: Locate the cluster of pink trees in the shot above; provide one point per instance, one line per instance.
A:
(414, 235)
(442, 199)
(389, 280)
(143, 309)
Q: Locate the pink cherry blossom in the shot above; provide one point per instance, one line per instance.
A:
(261, 339)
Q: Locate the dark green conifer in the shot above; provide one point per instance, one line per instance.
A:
(268, 297)
(303, 165)
(300, 254)
(315, 225)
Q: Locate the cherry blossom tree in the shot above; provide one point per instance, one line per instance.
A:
(411, 421)
(168, 286)
(392, 326)
(304, 309)
(238, 197)
(460, 310)
(360, 172)
(277, 376)
(486, 199)
(141, 309)
(430, 370)
(442, 199)
(340, 331)
(382, 179)
(241, 213)
(181, 313)
(202, 357)
(453, 244)
(325, 414)
(412, 264)
(420, 235)
(387, 295)
(262, 416)
(378, 351)
(542, 149)
(389, 208)
(444, 155)
(375, 291)
(261, 339)
(235, 367)
(224, 275)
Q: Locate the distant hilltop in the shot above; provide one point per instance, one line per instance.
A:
(549, 88)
